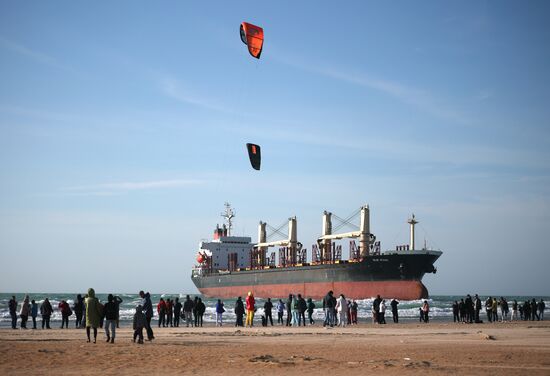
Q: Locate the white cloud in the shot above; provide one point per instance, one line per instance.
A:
(419, 98)
(172, 88)
(37, 56)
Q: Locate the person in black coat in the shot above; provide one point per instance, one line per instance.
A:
(288, 310)
(201, 308)
(239, 311)
(268, 306)
(456, 317)
(394, 310)
(78, 309)
(177, 312)
(376, 308)
(302, 308)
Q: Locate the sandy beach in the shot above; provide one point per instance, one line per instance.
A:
(439, 348)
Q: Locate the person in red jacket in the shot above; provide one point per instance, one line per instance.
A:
(65, 313)
(250, 308)
(161, 310)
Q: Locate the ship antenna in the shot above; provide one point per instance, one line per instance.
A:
(228, 215)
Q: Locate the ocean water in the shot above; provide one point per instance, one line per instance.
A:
(440, 307)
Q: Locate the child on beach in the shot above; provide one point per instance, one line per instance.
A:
(139, 324)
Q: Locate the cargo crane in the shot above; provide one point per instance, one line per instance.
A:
(366, 239)
(290, 252)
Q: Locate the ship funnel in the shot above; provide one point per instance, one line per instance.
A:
(364, 237)
(412, 221)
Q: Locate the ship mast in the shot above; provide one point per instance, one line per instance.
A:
(228, 215)
(412, 221)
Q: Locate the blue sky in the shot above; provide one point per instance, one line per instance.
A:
(123, 128)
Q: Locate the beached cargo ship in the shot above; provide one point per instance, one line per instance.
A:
(229, 266)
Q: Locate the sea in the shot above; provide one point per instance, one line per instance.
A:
(440, 306)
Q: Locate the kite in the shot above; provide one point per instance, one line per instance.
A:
(254, 155)
(253, 37)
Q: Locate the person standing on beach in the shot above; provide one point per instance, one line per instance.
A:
(520, 309)
(349, 311)
(477, 308)
(46, 311)
(161, 310)
(462, 310)
(219, 313)
(250, 309)
(110, 318)
(280, 312)
(239, 312)
(376, 308)
(514, 310)
(334, 315)
(188, 306)
(494, 309)
(288, 306)
(177, 312)
(353, 311)
(25, 312)
(294, 308)
(541, 306)
(83, 324)
(169, 312)
(78, 309)
(469, 305)
(117, 301)
(426, 311)
(34, 313)
(534, 310)
(504, 309)
(65, 313)
(201, 308)
(489, 309)
(140, 321)
(394, 311)
(302, 308)
(13, 312)
(310, 308)
(383, 312)
(456, 317)
(526, 311)
(268, 307)
(342, 309)
(93, 314)
(147, 308)
(195, 312)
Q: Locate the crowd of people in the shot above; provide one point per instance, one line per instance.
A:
(468, 310)
(92, 314)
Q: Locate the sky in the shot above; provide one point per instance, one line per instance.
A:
(123, 128)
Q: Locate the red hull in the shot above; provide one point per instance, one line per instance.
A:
(404, 290)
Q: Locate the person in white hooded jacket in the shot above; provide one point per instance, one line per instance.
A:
(342, 309)
(382, 312)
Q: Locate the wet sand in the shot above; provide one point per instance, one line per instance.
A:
(411, 348)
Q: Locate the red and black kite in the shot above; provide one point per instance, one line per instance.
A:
(254, 155)
(253, 37)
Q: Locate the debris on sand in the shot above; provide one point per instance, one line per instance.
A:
(264, 359)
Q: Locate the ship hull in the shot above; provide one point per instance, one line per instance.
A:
(388, 275)
(404, 290)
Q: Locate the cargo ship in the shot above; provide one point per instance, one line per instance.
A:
(229, 266)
